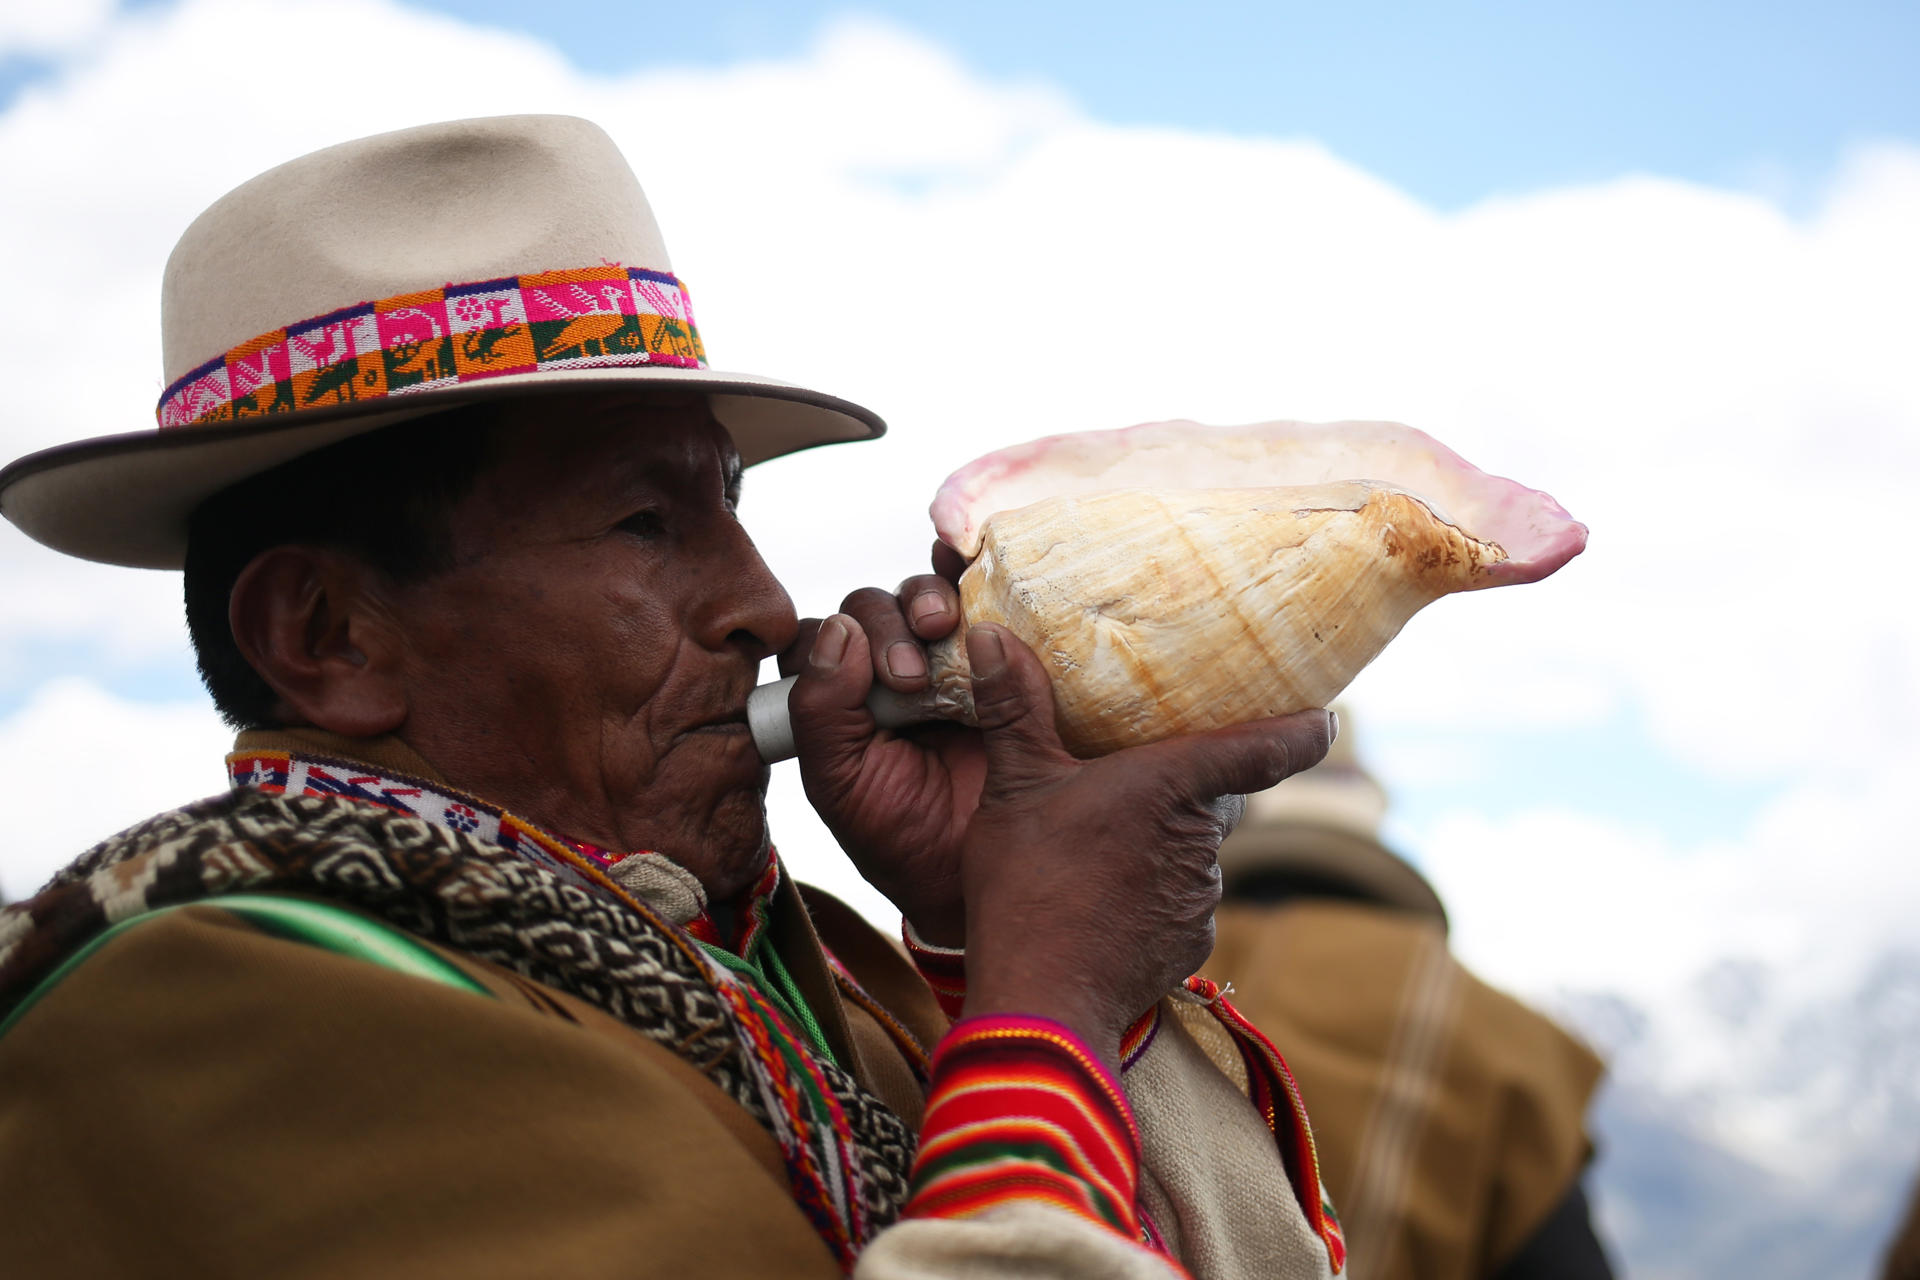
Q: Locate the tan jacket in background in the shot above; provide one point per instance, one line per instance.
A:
(1449, 1117)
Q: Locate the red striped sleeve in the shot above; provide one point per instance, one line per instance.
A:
(1019, 1110)
(943, 968)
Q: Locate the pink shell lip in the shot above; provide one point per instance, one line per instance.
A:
(1537, 533)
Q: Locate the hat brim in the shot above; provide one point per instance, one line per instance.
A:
(1330, 853)
(126, 499)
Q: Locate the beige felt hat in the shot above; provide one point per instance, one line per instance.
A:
(1325, 824)
(385, 279)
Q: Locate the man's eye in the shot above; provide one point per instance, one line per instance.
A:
(644, 524)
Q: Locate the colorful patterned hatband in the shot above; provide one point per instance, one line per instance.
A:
(591, 318)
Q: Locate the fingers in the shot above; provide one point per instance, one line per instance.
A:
(899, 660)
(831, 723)
(932, 605)
(837, 672)
(793, 658)
(1242, 759)
(947, 562)
(898, 625)
(1013, 701)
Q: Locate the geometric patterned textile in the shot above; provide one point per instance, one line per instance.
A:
(588, 318)
(848, 1156)
(310, 775)
(283, 772)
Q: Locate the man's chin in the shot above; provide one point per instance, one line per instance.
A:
(735, 848)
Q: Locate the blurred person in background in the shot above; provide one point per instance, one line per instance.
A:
(1450, 1117)
(1902, 1261)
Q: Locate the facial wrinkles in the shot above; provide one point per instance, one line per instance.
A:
(653, 778)
(694, 684)
(565, 658)
(624, 776)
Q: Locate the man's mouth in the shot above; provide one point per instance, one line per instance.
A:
(734, 721)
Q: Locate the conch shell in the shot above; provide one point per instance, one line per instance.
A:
(1176, 577)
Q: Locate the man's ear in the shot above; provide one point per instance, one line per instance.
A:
(313, 624)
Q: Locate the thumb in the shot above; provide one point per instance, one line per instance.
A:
(828, 705)
(1243, 758)
(1013, 703)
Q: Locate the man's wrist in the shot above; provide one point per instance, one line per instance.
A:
(939, 917)
(944, 930)
(1087, 1018)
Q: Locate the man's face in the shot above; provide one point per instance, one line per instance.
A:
(586, 662)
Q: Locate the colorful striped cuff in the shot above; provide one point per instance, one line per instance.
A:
(1020, 1110)
(943, 968)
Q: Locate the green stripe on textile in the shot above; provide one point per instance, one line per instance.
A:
(771, 979)
(981, 1153)
(348, 933)
(314, 924)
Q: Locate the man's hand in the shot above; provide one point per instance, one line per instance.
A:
(898, 802)
(1090, 886)
(1082, 890)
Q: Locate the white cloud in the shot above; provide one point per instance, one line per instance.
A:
(1554, 898)
(1724, 393)
(46, 27)
(81, 764)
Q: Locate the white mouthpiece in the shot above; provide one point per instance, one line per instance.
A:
(772, 725)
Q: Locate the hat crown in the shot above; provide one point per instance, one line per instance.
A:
(391, 278)
(400, 212)
(1338, 792)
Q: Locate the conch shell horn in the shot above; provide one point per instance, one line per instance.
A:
(1176, 577)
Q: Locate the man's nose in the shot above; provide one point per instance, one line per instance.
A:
(746, 607)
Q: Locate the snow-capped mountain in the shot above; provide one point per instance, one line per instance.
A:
(1756, 1124)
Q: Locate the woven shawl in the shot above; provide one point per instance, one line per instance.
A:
(606, 948)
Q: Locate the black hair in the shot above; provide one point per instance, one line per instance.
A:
(386, 498)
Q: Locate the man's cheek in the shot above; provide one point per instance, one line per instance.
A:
(741, 809)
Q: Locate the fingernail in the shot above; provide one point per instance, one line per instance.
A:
(830, 645)
(927, 606)
(904, 660)
(985, 654)
(1333, 726)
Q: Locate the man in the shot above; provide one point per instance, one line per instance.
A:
(485, 966)
(1450, 1117)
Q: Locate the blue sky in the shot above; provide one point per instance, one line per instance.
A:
(1451, 101)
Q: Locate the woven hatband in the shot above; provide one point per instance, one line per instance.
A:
(589, 318)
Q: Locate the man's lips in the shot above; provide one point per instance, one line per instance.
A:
(721, 746)
(734, 721)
